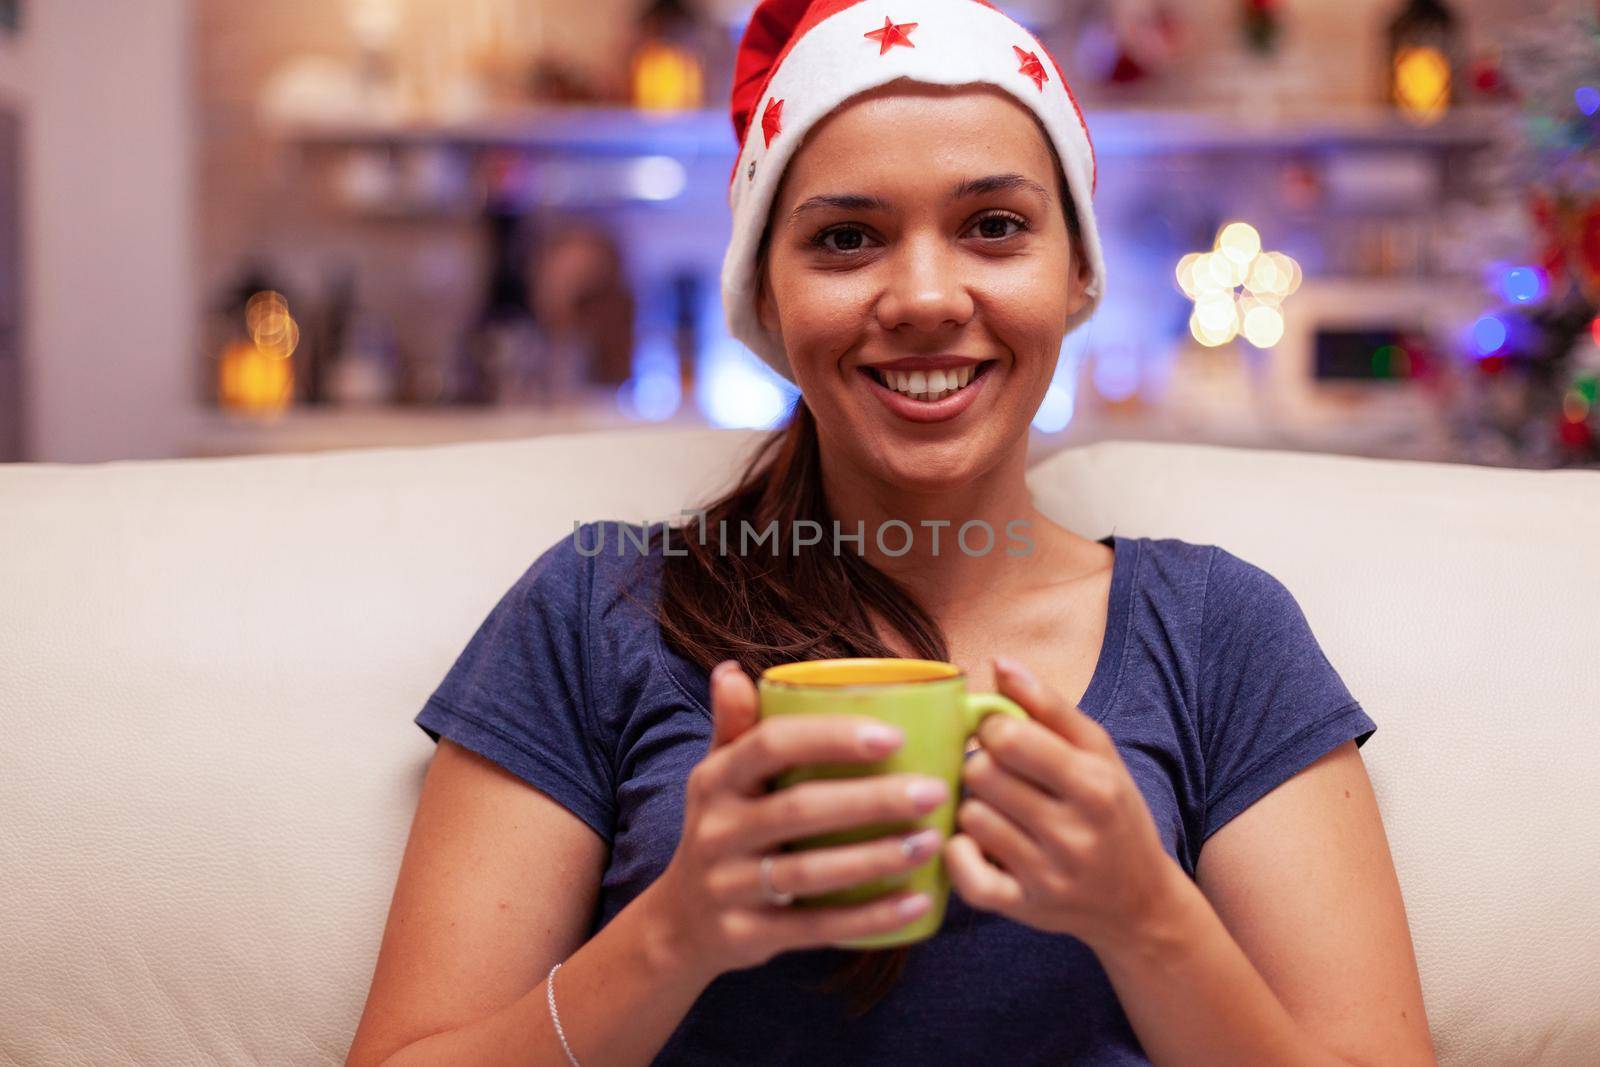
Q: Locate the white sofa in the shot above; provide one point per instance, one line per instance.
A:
(208, 670)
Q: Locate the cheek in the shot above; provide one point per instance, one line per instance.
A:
(1027, 313)
(824, 311)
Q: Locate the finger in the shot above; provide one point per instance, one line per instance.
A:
(1032, 811)
(733, 702)
(816, 926)
(785, 741)
(979, 882)
(826, 805)
(1030, 750)
(1019, 855)
(823, 870)
(1048, 706)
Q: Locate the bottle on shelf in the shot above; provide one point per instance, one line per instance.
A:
(503, 350)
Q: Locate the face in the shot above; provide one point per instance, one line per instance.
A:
(921, 274)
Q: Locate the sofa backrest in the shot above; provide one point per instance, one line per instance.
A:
(208, 670)
(1461, 605)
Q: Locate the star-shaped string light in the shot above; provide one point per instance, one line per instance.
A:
(1213, 280)
(891, 34)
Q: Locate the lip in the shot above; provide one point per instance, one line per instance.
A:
(922, 411)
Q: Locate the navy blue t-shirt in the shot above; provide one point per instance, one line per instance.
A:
(1209, 680)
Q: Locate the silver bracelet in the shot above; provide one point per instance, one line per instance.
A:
(550, 997)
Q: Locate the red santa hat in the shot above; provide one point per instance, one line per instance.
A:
(800, 59)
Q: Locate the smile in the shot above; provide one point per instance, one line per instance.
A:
(928, 395)
(929, 386)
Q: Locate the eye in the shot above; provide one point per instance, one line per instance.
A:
(853, 235)
(1000, 218)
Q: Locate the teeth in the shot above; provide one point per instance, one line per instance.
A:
(928, 386)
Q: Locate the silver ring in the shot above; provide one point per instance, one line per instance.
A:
(767, 889)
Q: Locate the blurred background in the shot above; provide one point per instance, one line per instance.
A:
(1359, 226)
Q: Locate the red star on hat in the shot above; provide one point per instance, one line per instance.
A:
(770, 119)
(891, 34)
(1031, 67)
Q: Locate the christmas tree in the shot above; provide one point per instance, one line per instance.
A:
(1537, 350)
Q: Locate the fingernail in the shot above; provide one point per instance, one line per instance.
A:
(1013, 668)
(911, 907)
(920, 844)
(927, 793)
(879, 737)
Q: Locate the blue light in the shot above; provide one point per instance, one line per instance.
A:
(734, 394)
(1055, 411)
(1522, 285)
(1489, 334)
(654, 392)
(657, 178)
(1116, 372)
(1588, 99)
(656, 396)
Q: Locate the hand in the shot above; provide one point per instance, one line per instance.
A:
(1056, 833)
(709, 900)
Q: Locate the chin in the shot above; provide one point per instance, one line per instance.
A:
(931, 466)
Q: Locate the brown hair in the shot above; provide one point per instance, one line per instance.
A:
(764, 609)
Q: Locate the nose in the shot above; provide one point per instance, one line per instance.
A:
(925, 291)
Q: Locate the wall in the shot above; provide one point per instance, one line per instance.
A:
(109, 308)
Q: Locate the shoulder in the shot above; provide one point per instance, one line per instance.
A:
(1167, 573)
(1213, 599)
(1203, 575)
(590, 567)
(1243, 597)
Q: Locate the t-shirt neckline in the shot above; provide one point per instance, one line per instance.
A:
(1097, 699)
(1101, 693)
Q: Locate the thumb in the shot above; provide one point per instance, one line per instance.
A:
(734, 702)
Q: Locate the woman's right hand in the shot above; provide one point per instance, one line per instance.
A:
(709, 899)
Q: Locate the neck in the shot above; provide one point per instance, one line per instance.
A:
(990, 536)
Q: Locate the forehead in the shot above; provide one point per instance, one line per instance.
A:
(912, 137)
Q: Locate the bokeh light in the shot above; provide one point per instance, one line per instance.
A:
(1212, 280)
(1522, 285)
(1116, 371)
(734, 394)
(1489, 334)
(1421, 83)
(1055, 411)
(1263, 326)
(1240, 242)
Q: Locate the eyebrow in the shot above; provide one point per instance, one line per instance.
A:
(994, 183)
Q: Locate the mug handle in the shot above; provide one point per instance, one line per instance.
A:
(980, 706)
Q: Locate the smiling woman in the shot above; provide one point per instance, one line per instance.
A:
(939, 245)
(913, 238)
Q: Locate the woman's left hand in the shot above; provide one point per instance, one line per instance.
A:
(1055, 832)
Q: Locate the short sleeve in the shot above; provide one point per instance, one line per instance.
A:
(518, 693)
(1270, 701)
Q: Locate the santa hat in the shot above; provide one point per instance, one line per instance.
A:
(800, 59)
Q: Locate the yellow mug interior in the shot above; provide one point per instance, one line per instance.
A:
(864, 671)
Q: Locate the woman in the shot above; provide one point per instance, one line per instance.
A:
(1177, 860)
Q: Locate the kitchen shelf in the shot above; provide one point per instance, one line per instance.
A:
(1116, 131)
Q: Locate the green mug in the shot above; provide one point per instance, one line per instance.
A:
(929, 703)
